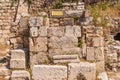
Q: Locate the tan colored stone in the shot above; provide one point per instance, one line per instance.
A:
(81, 71)
(49, 72)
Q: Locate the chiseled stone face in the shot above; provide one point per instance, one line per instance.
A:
(17, 54)
(90, 53)
(81, 71)
(33, 31)
(20, 75)
(49, 72)
(17, 63)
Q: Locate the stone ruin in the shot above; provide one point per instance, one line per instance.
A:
(54, 46)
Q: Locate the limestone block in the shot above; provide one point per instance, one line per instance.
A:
(99, 53)
(102, 76)
(43, 31)
(77, 31)
(39, 21)
(4, 71)
(33, 31)
(90, 53)
(32, 21)
(18, 54)
(38, 58)
(18, 63)
(40, 44)
(54, 42)
(98, 42)
(100, 66)
(65, 58)
(49, 72)
(56, 31)
(68, 22)
(20, 75)
(53, 52)
(81, 71)
(69, 31)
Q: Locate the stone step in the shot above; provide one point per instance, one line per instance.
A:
(65, 58)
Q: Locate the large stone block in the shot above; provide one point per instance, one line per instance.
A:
(99, 53)
(98, 42)
(34, 32)
(81, 71)
(40, 44)
(69, 31)
(18, 54)
(56, 31)
(49, 72)
(38, 58)
(43, 31)
(54, 42)
(77, 31)
(20, 75)
(17, 63)
(65, 58)
(100, 66)
(90, 53)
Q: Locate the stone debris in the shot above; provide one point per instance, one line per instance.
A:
(49, 72)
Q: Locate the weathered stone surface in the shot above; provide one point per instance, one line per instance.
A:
(82, 70)
(99, 53)
(56, 31)
(33, 31)
(38, 58)
(43, 31)
(98, 42)
(18, 63)
(100, 66)
(49, 72)
(20, 75)
(77, 31)
(69, 31)
(102, 76)
(40, 44)
(18, 54)
(90, 53)
(68, 22)
(4, 71)
(65, 58)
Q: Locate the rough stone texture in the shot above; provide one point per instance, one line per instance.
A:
(49, 72)
(98, 41)
(99, 53)
(102, 76)
(18, 54)
(4, 71)
(38, 58)
(100, 66)
(87, 70)
(65, 58)
(39, 44)
(17, 63)
(33, 31)
(20, 75)
(18, 58)
(90, 53)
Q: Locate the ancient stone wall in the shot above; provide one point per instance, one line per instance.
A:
(6, 17)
